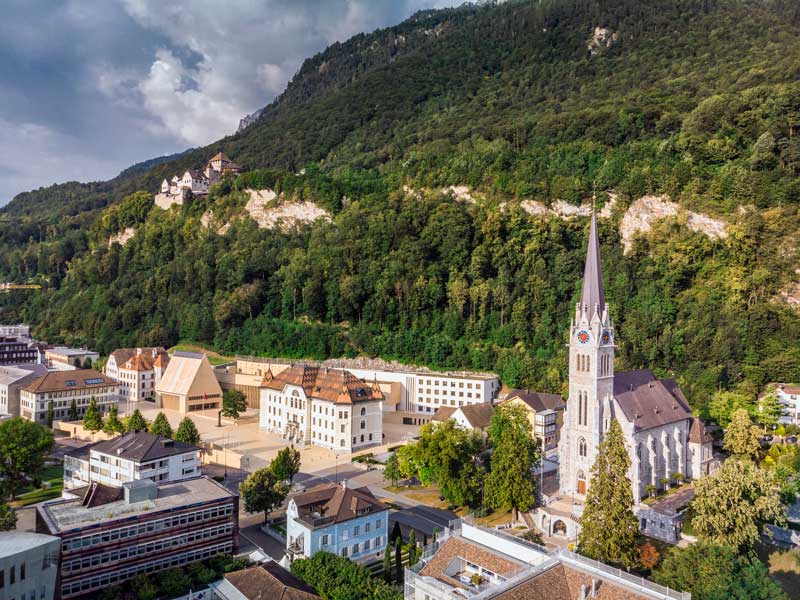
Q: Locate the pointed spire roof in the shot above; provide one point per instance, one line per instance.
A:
(593, 293)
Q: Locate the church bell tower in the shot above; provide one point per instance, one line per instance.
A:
(591, 377)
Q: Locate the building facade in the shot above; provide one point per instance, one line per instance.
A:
(28, 565)
(72, 357)
(62, 388)
(12, 380)
(20, 331)
(188, 384)
(130, 457)
(138, 371)
(545, 414)
(334, 518)
(17, 351)
(111, 535)
(789, 398)
(475, 417)
(331, 408)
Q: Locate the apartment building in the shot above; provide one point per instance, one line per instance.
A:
(331, 408)
(28, 565)
(131, 457)
(62, 387)
(17, 351)
(334, 518)
(12, 380)
(188, 384)
(19, 330)
(138, 371)
(111, 535)
(472, 561)
(545, 413)
(789, 397)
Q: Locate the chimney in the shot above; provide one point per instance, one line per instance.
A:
(344, 484)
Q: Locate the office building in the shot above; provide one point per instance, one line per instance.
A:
(28, 565)
(62, 388)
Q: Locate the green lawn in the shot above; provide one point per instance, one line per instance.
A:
(28, 495)
(215, 358)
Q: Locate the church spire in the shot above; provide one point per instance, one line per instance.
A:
(593, 295)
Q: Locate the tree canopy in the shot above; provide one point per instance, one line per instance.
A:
(187, 432)
(24, 445)
(338, 578)
(286, 463)
(160, 426)
(263, 491)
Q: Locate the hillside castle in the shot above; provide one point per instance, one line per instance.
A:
(174, 191)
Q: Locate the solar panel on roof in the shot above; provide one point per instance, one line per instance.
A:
(72, 383)
(93, 381)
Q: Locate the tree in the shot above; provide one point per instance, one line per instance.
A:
(187, 432)
(263, 491)
(387, 563)
(648, 556)
(24, 445)
(136, 422)
(338, 578)
(769, 410)
(511, 482)
(173, 582)
(741, 438)
(391, 471)
(234, 402)
(160, 426)
(113, 425)
(712, 572)
(8, 518)
(286, 463)
(724, 403)
(398, 559)
(72, 414)
(92, 419)
(412, 549)
(144, 588)
(608, 526)
(51, 413)
(730, 506)
(87, 363)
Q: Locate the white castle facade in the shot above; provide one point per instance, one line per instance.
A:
(174, 191)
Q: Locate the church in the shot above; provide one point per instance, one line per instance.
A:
(662, 437)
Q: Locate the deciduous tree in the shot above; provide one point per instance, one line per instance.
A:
(160, 426)
(8, 518)
(72, 414)
(391, 471)
(187, 432)
(741, 438)
(263, 491)
(234, 402)
(608, 526)
(136, 422)
(286, 463)
(113, 425)
(24, 445)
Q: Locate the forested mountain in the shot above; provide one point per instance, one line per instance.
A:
(698, 100)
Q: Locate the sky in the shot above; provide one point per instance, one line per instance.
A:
(90, 87)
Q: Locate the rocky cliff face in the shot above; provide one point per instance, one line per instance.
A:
(248, 120)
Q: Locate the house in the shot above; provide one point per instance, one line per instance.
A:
(789, 398)
(267, 581)
(324, 407)
(468, 560)
(110, 535)
(28, 565)
(16, 351)
(472, 416)
(130, 457)
(545, 413)
(334, 518)
(12, 380)
(62, 388)
(188, 384)
(138, 371)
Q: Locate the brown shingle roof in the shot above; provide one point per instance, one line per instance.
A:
(330, 503)
(58, 381)
(698, 434)
(122, 355)
(332, 385)
(649, 402)
(538, 401)
(270, 581)
(443, 413)
(478, 415)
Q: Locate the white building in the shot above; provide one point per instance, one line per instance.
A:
(331, 408)
(20, 331)
(789, 397)
(28, 565)
(138, 371)
(334, 518)
(57, 356)
(62, 387)
(129, 457)
(12, 380)
(476, 417)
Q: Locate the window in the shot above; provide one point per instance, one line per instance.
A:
(356, 530)
(356, 549)
(363, 411)
(378, 524)
(324, 541)
(363, 424)
(366, 527)
(582, 447)
(344, 551)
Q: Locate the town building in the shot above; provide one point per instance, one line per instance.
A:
(475, 417)
(19, 330)
(112, 534)
(331, 408)
(188, 384)
(789, 398)
(334, 518)
(28, 565)
(267, 581)
(56, 356)
(653, 413)
(62, 387)
(130, 457)
(471, 561)
(545, 413)
(138, 371)
(17, 351)
(425, 521)
(12, 380)
(411, 395)
(175, 190)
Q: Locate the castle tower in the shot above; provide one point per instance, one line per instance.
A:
(591, 377)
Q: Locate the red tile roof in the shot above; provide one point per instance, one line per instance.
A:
(331, 385)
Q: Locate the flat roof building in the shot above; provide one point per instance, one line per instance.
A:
(12, 380)
(28, 565)
(17, 351)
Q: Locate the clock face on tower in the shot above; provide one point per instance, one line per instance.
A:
(606, 337)
(583, 336)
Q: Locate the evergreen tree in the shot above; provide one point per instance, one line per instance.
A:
(398, 559)
(8, 518)
(136, 422)
(608, 526)
(511, 482)
(160, 426)
(412, 549)
(72, 415)
(387, 563)
(741, 438)
(286, 463)
(92, 420)
(187, 432)
(113, 425)
(769, 410)
(51, 413)
(391, 472)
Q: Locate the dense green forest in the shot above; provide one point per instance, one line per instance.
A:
(696, 99)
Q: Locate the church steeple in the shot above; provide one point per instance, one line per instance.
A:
(593, 296)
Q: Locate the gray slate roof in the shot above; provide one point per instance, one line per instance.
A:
(538, 401)
(649, 402)
(593, 293)
(141, 446)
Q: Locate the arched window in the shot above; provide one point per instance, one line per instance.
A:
(582, 447)
(588, 363)
(363, 411)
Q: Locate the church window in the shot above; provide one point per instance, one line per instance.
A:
(582, 447)
(588, 363)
